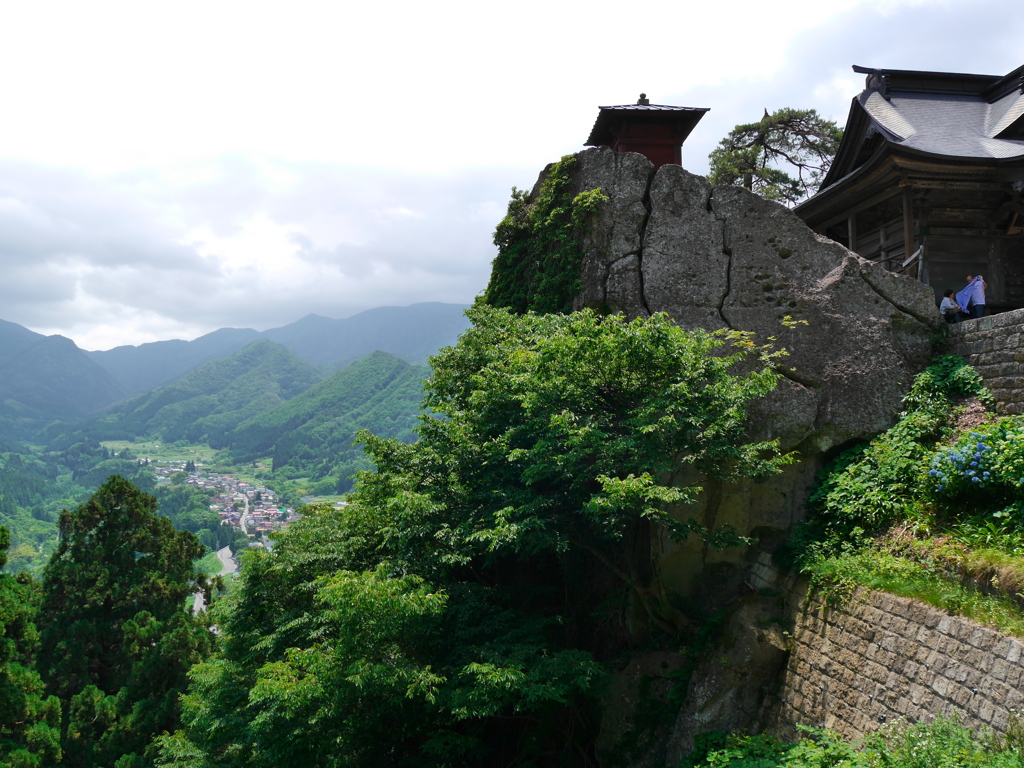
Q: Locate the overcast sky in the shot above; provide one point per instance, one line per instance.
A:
(169, 168)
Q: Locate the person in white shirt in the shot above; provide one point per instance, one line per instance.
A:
(949, 308)
(978, 297)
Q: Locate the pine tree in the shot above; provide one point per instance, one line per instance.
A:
(116, 639)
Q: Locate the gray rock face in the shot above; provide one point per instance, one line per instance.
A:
(855, 336)
(726, 258)
(730, 684)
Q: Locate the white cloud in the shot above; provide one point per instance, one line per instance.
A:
(169, 169)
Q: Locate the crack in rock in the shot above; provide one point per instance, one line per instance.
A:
(909, 311)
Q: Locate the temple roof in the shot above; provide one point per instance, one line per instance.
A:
(952, 115)
(685, 117)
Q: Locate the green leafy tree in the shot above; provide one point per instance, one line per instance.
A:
(562, 431)
(783, 156)
(115, 638)
(29, 719)
(456, 612)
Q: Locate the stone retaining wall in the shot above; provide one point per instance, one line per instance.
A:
(993, 346)
(881, 657)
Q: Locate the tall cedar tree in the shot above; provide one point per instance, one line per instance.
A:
(783, 156)
(29, 720)
(116, 640)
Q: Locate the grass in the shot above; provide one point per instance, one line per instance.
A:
(943, 742)
(210, 564)
(928, 582)
(161, 452)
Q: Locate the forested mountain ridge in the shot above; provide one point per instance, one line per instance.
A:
(147, 366)
(212, 399)
(410, 333)
(47, 377)
(313, 432)
(44, 379)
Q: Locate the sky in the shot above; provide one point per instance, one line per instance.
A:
(167, 169)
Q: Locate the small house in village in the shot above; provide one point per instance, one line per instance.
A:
(928, 180)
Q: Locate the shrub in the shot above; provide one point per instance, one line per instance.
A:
(870, 487)
(983, 470)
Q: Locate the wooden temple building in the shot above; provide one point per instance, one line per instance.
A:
(656, 131)
(928, 180)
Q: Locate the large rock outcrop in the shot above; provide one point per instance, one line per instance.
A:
(855, 334)
(726, 258)
(665, 241)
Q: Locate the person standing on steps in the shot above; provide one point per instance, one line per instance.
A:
(949, 308)
(978, 297)
(973, 296)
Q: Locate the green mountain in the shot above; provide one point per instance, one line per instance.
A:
(311, 435)
(411, 333)
(147, 366)
(47, 381)
(43, 378)
(213, 399)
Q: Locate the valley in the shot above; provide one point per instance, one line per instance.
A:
(267, 422)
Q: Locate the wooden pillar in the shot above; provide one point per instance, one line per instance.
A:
(851, 231)
(908, 224)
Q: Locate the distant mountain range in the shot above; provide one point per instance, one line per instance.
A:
(266, 401)
(48, 378)
(409, 333)
(211, 400)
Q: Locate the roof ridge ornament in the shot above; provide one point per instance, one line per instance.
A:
(643, 100)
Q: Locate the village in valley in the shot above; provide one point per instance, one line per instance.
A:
(254, 509)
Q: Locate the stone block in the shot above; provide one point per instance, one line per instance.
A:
(942, 686)
(986, 711)
(1000, 669)
(962, 696)
(984, 638)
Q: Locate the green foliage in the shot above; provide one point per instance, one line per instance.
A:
(539, 241)
(982, 471)
(447, 616)
(29, 719)
(952, 512)
(868, 488)
(188, 509)
(312, 435)
(330, 659)
(213, 399)
(941, 743)
(921, 578)
(115, 638)
(762, 156)
(568, 430)
(34, 486)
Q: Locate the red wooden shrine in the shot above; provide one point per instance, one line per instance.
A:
(656, 131)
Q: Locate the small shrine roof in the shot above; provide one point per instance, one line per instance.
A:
(686, 117)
